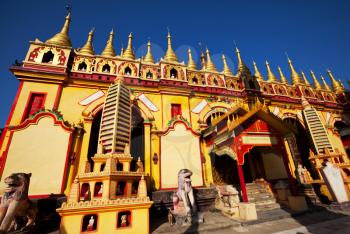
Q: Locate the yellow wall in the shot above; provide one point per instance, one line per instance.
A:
(71, 224)
(42, 150)
(180, 149)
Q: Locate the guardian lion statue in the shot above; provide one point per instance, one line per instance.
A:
(185, 191)
(15, 208)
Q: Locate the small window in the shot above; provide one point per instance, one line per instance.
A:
(106, 68)
(175, 110)
(149, 75)
(124, 219)
(89, 223)
(35, 103)
(47, 57)
(82, 67)
(173, 73)
(119, 166)
(194, 80)
(85, 191)
(215, 81)
(121, 188)
(98, 190)
(102, 168)
(127, 71)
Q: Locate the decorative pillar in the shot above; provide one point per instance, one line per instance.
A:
(208, 175)
(147, 139)
(242, 183)
(85, 142)
(288, 169)
(155, 159)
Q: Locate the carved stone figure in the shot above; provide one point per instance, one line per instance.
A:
(15, 204)
(139, 165)
(185, 191)
(90, 226)
(302, 174)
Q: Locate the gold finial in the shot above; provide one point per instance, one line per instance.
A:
(191, 64)
(122, 51)
(325, 85)
(62, 38)
(317, 84)
(227, 71)
(109, 50)
(149, 57)
(305, 79)
(241, 67)
(88, 48)
(282, 76)
(203, 62)
(170, 55)
(210, 65)
(295, 76)
(335, 84)
(270, 76)
(129, 53)
(257, 72)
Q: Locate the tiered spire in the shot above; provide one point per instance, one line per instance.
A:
(317, 84)
(149, 57)
(129, 53)
(88, 48)
(210, 65)
(305, 79)
(109, 50)
(191, 64)
(203, 62)
(282, 76)
(270, 76)
(295, 76)
(325, 85)
(227, 71)
(62, 38)
(170, 55)
(241, 67)
(257, 72)
(335, 84)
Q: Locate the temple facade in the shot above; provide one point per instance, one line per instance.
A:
(227, 127)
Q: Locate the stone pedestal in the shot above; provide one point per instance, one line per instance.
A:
(334, 181)
(247, 211)
(297, 203)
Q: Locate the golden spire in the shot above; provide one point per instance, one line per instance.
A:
(270, 76)
(170, 55)
(295, 76)
(335, 84)
(203, 62)
(129, 53)
(241, 67)
(122, 51)
(149, 57)
(257, 73)
(305, 79)
(191, 64)
(210, 65)
(282, 76)
(227, 71)
(88, 49)
(317, 84)
(109, 50)
(62, 38)
(325, 85)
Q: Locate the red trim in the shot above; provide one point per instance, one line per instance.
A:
(26, 109)
(172, 128)
(4, 155)
(11, 113)
(65, 171)
(58, 96)
(242, 183)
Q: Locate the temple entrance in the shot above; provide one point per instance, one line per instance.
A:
(263, 162)
(95, 131)
(225, 170)
(137, 142)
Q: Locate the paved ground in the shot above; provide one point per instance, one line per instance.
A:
(323, 221)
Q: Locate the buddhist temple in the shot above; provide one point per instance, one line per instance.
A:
(109, 132)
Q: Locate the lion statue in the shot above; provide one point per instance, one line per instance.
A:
(185, 191)
(17, 212)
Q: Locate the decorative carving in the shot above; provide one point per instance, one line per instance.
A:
(15, 204)
(185, 191)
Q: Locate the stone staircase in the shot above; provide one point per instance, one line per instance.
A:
(262, 197)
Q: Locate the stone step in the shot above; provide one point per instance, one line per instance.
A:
(264, 207)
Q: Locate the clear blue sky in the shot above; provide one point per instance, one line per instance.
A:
(315, 34)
